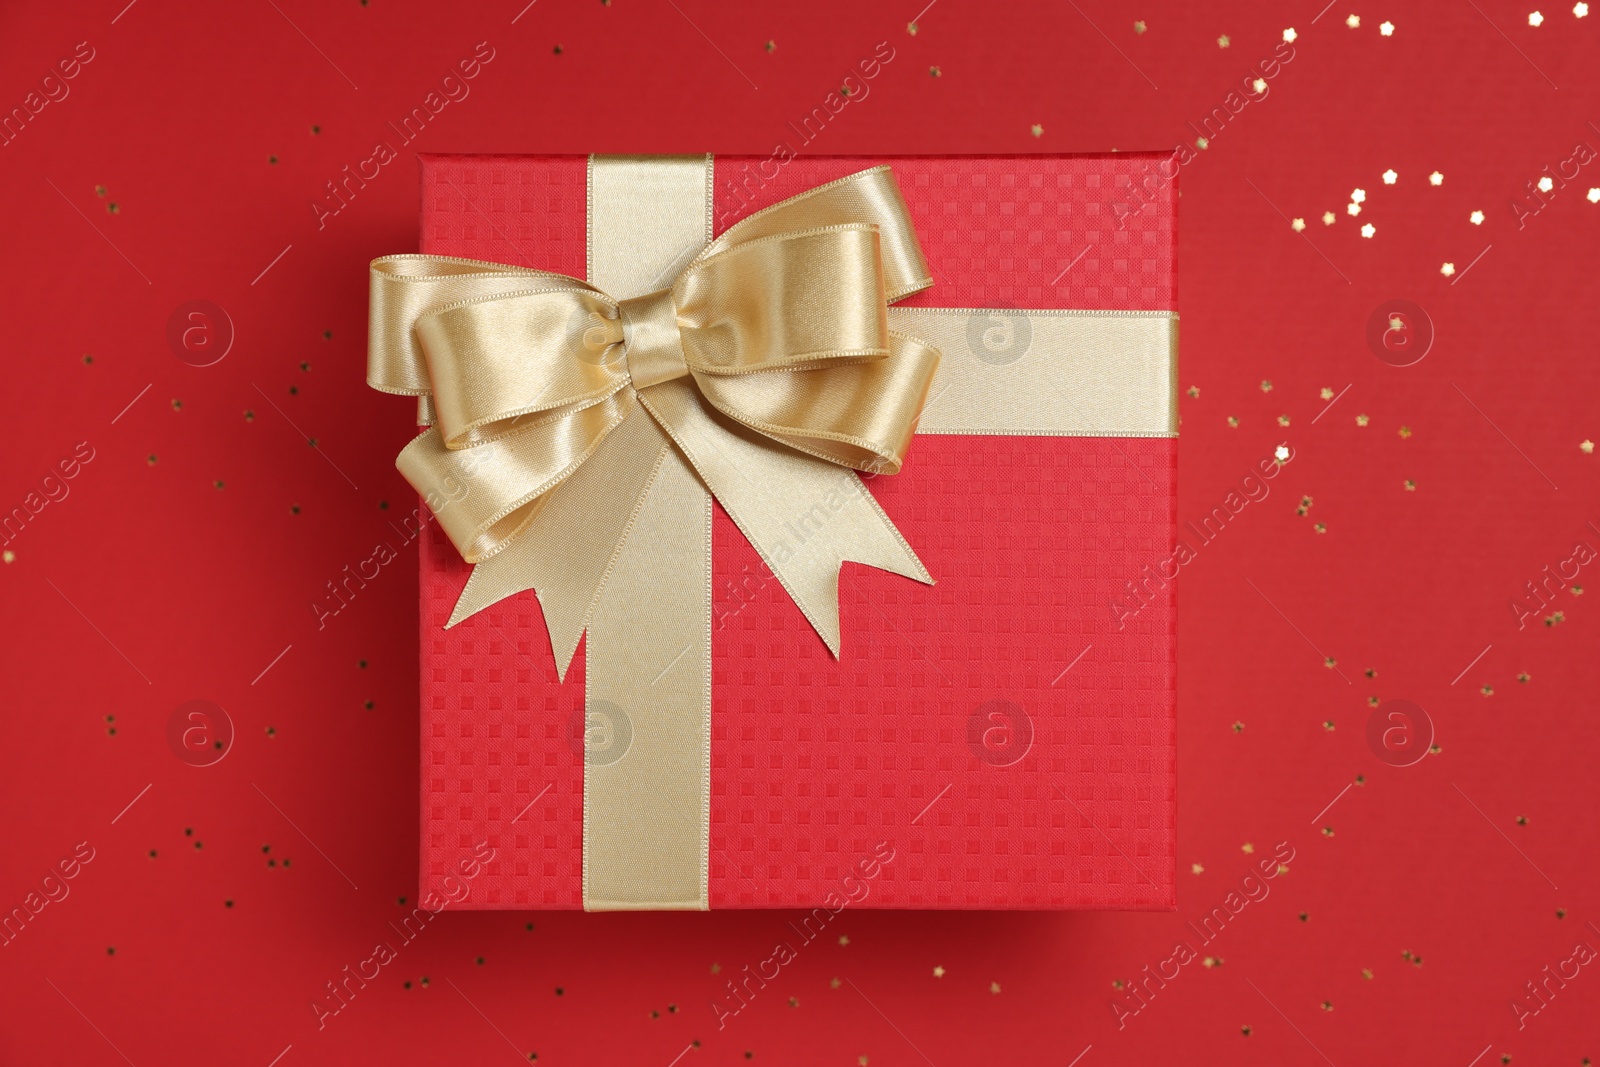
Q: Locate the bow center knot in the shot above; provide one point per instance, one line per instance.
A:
(652, 343)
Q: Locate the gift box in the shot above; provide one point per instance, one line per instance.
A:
(1001, 738)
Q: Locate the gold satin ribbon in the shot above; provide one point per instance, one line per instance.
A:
(768, 364)
(580, 429)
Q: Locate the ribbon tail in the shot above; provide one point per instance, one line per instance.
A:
(567, 551)
(805, 516)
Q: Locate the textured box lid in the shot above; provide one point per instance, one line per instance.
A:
(1004, 733)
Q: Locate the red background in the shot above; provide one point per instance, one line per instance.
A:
(1453, 882)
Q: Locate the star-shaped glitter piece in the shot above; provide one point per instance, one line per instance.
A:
(1259, 85)
(1223, 42)
(1477, 218)
(844, 939)
(994, 987)
(1594, 196)
(1448, 269)
(1326, 393)
(1197, 868)
(1535, 19)
(835, 984)
(1387, 29)
(1368, 230)
(1266, 385)
(938, 972)
(1581, 10)
(1289, 35)
(1436, 178)
(1405, 432)
(1358, 196)
(1352, 209)
(1201, 143)
(1281, 454)
(1194, 392)
(1139, 27)
(1362, 420)
(10, 556)
(1389, 176)
(1297, 225)
(1328, 217)
(716, 968)
(861, 1061)
(1586, 447)
(1546, 184)
(1354, 21)
(1038, 130)
(1247, 848)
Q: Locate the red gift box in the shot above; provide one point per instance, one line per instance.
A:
(1002, 739)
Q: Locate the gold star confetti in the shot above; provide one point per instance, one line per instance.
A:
(1387, 29)
(1328, 217)
(1139, 27)
(835, 984)
(1524, 678)
(1368, 230)
(934, 72)
(1259, 85)
(994, 987)
(1223, 42)
(1354, 21)
(1289, 35)
(1448, 269)
(938, 972)
(844, 939)
(1214, 961)
(1233, 422)
(1546, 184)
(1436, 178)
(1352, 209)
(1201, 143)
(1405, 432)
(1297, 225)
(1411, 486)
(1326, 393)
(1266, 385)
(1319, 528)
(1535, 19)
(1358, 196)
(1283, 420)
(9, 556)
(1586, 447)
(911, 28)
(1281, 453)
(1329, 662)
(1038, 130)
(1238, 727)
(1580, 10)
(1197, 868)
(1390, 177)
(1247, 848)
(1194, 392)
(861, 1061)
(1476, 218)
(716, 968)
(1594, 196)
(1366, 973)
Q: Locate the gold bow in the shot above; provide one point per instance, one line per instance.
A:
(768, 364)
